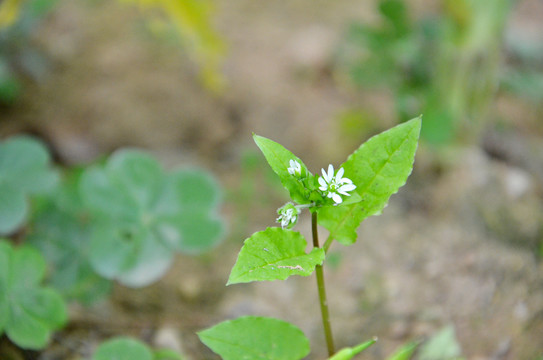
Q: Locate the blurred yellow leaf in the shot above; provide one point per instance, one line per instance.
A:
(9, 11)
(191, 19)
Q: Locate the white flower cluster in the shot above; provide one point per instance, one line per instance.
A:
(288, 215)
(333, 185)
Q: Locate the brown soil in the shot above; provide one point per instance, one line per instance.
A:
(458, 245)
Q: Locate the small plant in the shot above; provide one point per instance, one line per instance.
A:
(453, 87)
(124, 220)
(339, 201)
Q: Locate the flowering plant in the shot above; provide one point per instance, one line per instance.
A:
(338, 201)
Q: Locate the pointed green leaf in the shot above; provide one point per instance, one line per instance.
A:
(123, 348)
(350, 352)
(279, 159)
(405, 352)
(274, 254)
(256, 338)
(378, 168)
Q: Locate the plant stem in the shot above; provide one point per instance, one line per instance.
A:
(322, 291)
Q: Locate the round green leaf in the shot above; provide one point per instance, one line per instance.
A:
(136, 174)
(101, 195)
(45, 304)
(26, 330)
(13, 208)
(123, 348)
(24, 164)
(63, 238)
(24, 169)
(196, 189)
(28, 311)
(142, 216)
(134, 257)
(256, 338)
(27, 269)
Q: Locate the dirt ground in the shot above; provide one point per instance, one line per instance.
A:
(457, 245)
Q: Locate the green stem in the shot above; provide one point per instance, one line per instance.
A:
(322, 291)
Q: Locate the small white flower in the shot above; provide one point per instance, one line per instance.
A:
(333, 186)
(295, 168)
(288, 215)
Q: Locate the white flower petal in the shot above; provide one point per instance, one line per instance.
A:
(324, 175)
(330, 173)
(347, 187)
(337, 199)
(323, 183)
(339, 174)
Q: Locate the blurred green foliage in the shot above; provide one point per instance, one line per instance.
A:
(446, 67)
(122, 219)
(189, 20)
(25, 169)
(19, 57)
(29, 311)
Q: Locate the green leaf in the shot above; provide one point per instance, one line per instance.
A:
(62, 234)
(441, 346)
(13, 208)
(142, 216)
(187, 211)
(28, 311)
(167, 354)
(24, 169)
(378, 168)
(350, 352)
(256, 338)
(405, 352)
(123, 348)
(134, 256)
(279, 158)
(274, 254)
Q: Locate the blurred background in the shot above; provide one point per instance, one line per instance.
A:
(460, 245)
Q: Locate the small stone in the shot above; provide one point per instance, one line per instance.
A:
(169, 338)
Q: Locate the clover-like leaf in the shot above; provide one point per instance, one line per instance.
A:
(24, 169)
(256, 338)
(279, 159)
(274, 254)
(144, 215)
(123, 348)
(29, 312)
(61, 231)
(378, 168)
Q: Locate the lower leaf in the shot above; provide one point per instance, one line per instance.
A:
(256, 338)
